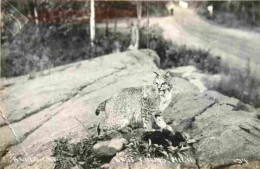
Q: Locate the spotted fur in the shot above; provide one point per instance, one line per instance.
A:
(136, 106)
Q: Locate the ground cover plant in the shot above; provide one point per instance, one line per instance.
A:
(163, 145)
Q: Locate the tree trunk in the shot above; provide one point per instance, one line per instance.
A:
(148, 24)
(253, 13)
(107, 21)
(139, 12)
(228, 5)
(35, 13)
(115, 28)
(148, 15)
(92, 22)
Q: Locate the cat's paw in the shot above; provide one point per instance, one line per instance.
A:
(169, 128)
(160, 130)
(149, 130)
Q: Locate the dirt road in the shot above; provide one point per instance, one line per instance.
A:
(233, 45)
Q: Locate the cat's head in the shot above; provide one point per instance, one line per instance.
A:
(162, 83)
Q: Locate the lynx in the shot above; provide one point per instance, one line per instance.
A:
(137, 106)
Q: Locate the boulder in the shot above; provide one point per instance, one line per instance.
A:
(227, 132)
(63, 103)
(109, 148)
(225, 128)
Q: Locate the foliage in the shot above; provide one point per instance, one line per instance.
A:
(155, 8)
(160, 144)
(172, 55)
(182, 56)
(239, 83)
(54, 45)
(232, 13)
(79, 154)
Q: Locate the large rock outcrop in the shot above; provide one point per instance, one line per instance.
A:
(50, 105)
(225, 128)
(54, 103)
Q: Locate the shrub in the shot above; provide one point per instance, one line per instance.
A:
(182, 56)
(54, 45)
(35, 50)
(172, 55)
(239, 83)
(232, 13)
(69, 154)
(148, 144)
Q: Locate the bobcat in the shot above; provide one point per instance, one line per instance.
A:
(137, 106)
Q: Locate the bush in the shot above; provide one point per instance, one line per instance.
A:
(172, 55)
(232, 13)
(69, 154)
(163, 145)
(242, 84)
(35, 50)
(182, 56)
(54, 45)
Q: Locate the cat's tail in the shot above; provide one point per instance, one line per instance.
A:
(101, 107)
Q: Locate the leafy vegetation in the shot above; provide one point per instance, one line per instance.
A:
(78, 154)
(172, 55)
(239, 83)
(149, 144)
(57, 45)
(53, 46)
(50, 45)
(160, 145)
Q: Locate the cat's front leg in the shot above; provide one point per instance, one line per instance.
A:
(158, 119)
(147, 124)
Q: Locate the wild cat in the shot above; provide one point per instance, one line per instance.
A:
(137, 106)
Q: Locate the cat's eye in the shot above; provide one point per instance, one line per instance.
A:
(155, 83)
(164, 83)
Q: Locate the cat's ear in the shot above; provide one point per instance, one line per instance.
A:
(167, 75)
(156, 74)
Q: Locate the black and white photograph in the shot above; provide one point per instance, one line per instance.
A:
(130, 84)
